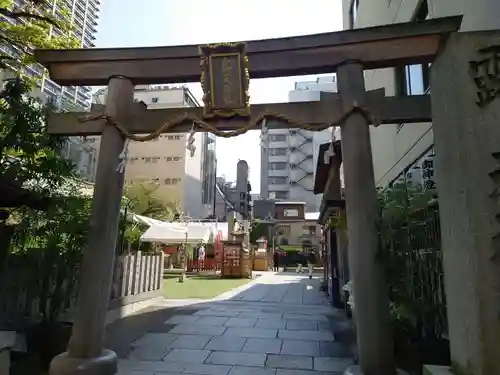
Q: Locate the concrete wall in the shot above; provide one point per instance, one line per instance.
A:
(395, 147)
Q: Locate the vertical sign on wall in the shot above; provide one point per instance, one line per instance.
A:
(428, 177)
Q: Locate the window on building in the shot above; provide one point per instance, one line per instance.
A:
(277, 180)
(175, 181)
(414, 79)
(168, 181)
(277, 138)
(147, 160)
(176, 158)
(278, 195)
(154, 99)
(353, 13)
(169, 158)
(278, 151)
(276, 166)
(177, 137)
(283, 230)
(170, 137)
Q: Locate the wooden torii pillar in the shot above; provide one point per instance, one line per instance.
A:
(226, 108)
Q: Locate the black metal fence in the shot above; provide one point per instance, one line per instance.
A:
(416, 277)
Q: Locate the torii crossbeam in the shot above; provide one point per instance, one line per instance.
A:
(225, 73)
(385, 110)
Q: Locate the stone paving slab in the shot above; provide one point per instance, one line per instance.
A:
(283, 371)
(155, 339)
(227, 344)
(237, 359)
(187, 355)
(335, 349)
(198, 330)
(267, 346)
(331, 364)
(305, 317)
(190, 342)
(241, 322)
(205, 369)
(261, 315)
(259, 333)
(182, 319)
(271, 323)
(295, 347)
(216, 312)
(289, 361)
(305, 335)
(149, 353)
(310, 325)
(241, 370)
(151, 366)
(212, 321)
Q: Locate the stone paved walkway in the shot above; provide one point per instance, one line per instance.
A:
(276, 325)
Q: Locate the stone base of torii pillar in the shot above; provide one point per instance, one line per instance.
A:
(356, 370)
(105, 364)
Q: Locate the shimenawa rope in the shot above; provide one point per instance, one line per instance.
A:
(202, 125)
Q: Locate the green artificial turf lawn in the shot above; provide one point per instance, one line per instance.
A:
(203, 287)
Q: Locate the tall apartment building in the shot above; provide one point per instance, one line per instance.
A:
(289, 156)
(405, 151)
(166, 161)
(84, 15)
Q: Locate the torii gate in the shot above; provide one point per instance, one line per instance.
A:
(226, 69)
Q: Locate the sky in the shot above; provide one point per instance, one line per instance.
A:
(132, 23)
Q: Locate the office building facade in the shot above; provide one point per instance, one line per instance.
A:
(405, 151)
(181, 176)
(289, 156)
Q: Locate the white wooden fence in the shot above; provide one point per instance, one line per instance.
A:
(137, 273)
(136, 277)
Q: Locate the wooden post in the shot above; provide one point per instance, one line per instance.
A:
(376, 354)
(85, 351)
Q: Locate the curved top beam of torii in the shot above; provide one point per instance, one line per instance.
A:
(377, 47)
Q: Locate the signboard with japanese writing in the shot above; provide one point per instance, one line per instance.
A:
(421, 173)
(428, 178)
(225, 80)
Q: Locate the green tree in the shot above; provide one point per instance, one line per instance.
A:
(147, 199)
(258, 230)
(55, 236)
(30, 26)
(27, 152)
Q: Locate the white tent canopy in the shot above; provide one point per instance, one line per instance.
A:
(145, 220)
(179, 232)
(175, 234)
